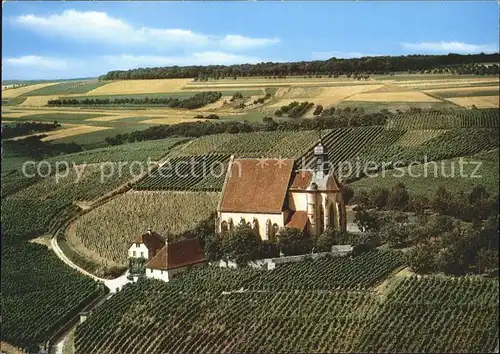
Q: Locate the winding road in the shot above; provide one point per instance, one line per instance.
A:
(113, 285)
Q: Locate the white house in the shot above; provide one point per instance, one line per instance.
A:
(271, 194)
(166, 259)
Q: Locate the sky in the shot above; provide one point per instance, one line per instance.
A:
(59, 40)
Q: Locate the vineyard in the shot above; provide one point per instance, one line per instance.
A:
(274, 144)
(447, 119)
(140, 151)
(210, 317)
(330, 273)
(194, 173)
(434, 315)
(110, 229)
(39, 294)
(29, 211)
(449, 177)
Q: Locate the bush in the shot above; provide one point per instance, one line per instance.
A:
(212, 116)
(293, 242)
(318, 110)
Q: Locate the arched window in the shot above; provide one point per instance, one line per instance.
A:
(274, 232)
(243, 221)
(231, 224)
(321, 221)
(255, 226)
(269, 229)
(341, 215)
(331, 215)
(224, 227)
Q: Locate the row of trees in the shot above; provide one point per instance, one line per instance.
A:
(338, 119)
(19, 129)
(198, 100)
(333, 66)
(294, 109)
(465, 69)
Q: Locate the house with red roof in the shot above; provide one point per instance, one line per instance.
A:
(271, 194)
(164, 259)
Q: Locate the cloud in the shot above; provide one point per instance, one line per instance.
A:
(450, 47)
(339, 54)
(44, 67)
(235, 41)
(38, 62)
(99, 27)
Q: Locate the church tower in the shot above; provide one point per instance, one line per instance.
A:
(322, 165)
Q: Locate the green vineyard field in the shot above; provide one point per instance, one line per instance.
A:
(214, 311)
(447, 119)
(195, 173)
(39, 294)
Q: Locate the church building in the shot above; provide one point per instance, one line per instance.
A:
(271, 194)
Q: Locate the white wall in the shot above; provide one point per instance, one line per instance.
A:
(261, 218)
(142, 248)
(297, 201)
(157, 274)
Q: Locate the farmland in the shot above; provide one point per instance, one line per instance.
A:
(130, 214)
(301, 319)
(442, 173)
(28, 318)
(65, 88)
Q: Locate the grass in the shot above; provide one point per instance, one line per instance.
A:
(69, 87)
(60, 117)
(13, 101)
(370, 107)
(488, 171)
(452, 94)
(180, 95)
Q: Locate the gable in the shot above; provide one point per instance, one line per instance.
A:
(256, 187)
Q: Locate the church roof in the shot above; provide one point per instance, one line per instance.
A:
(153, 240)
(298, 220)
(177, 254)
(302, 179)
(256, 186)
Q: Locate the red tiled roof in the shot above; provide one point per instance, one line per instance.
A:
(298, 220)
(256, 187)
(153, 241)
(177, 254)
(302, 179)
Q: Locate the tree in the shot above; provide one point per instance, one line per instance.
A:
(422, 258)
(395, 234)
(367, 220)
(347, 193)
(378, 197)
(213, 247)
(418, 203)
(318, 110)
(398, 197)
(241, 245)
(487, 260)
(441, 201)
(362, 198)
(326, 240)
(293, 242)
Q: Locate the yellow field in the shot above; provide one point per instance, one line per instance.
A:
(404, 96)
(270, 83)
(37, 101)
(139, 86)
(478, 101)
(171, 120)
(325, 96)
(10, 93)
(216, 105)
